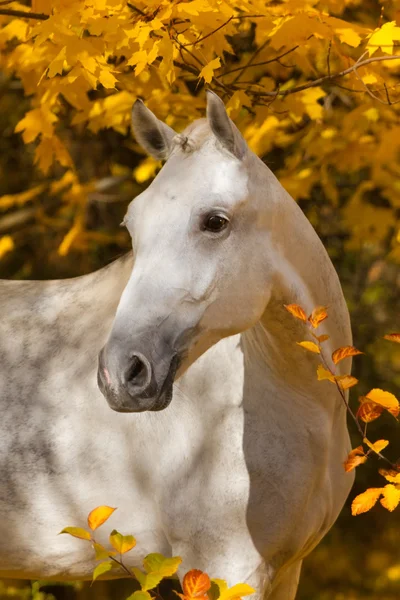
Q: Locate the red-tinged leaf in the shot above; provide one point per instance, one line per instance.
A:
(369, 411)
(101, 569)
(365, 501)
(98, 516)
(195, 584)
(392, 337)
(346, 381)
(323, 374)
(376, 446)
(296, 311)
(385, 399)
(322, 338)
(391, 497)
(77, 532)
(356, 457)
(310, 346)
(390, 475)
(344, 352)
(318, 315)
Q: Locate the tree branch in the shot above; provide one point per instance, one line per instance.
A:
(25, 15)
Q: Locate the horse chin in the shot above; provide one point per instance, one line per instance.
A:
(164, 399)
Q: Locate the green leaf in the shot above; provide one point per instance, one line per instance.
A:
(158, 563)
(147, 581)
(102, 568)
(122, 543)
(77, 532)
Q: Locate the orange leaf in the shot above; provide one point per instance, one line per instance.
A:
(369, 411)
(318, 315)
(296, 311)
(195, 584)
(99, 515)
(323, 373)
(344, 352)
(355, 458)
(385, 399)
(310, 346)
(376, 446)
(391, 497)
(392, 337)
(322, 338)
(346, 381)
(365, 501)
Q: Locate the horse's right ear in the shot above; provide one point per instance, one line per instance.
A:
(151, 133)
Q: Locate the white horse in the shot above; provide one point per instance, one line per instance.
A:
(232, 453)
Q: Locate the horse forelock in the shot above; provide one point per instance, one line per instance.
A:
(193, 137)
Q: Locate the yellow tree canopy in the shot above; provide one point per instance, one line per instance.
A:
(318, 81)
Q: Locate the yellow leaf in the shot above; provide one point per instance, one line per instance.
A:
(99, 515)
(365, 501)
(107, 79)
(385, 399)
(310, 346)
(57, 64)
(318, 315)
(146, 170)
(390, 475)
(122, 543)
(349, 36)
(346, 381)
(101, 569)
(383, 38)
(391, 497)
(310, 99)
(344, 352)
(42, 6)
(77, 532)
(323, 374)
(6, 245)
(207, 72)
(36, 121)
(101, 553)
(236, 591)
(140, 595)
(148, 581)
(157, 563)
(392, 337)
(11, 200)
(376, 446)
(296, 311)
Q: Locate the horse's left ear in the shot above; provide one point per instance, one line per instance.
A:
(151, 133)
(223, 128)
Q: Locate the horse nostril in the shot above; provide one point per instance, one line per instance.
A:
(138, 373)
(135, 369)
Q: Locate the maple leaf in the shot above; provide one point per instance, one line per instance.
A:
(207, 72)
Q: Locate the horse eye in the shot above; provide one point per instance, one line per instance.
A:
(215, 223)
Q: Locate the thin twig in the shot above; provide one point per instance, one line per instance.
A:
(264, 62)
(25, 15)
(136, 9)
(208, 34)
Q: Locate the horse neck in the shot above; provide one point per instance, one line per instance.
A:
(304, 275)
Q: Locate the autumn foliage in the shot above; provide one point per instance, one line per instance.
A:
(371, 407)
(317, 80)
(196, 585)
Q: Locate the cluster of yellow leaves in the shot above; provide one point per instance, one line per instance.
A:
(372, 405)
(196, 584)
(155, 49)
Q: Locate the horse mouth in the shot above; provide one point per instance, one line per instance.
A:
(165, 396)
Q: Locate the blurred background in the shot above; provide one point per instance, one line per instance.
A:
(360, 558)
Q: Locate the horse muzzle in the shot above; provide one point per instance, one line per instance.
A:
(139, 386)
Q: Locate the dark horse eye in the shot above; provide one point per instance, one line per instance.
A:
(215, 223)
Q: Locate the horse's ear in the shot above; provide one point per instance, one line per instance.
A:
(151, 133)
(223, 128)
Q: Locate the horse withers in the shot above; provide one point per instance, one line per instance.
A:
(222, 447)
